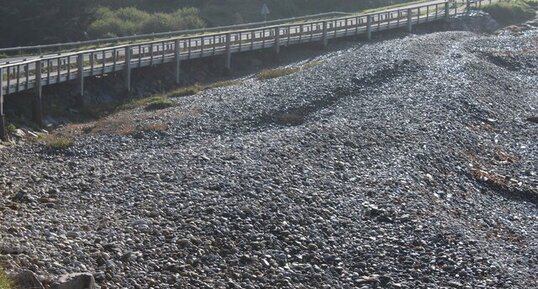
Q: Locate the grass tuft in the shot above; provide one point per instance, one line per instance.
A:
(510, 12)
(277, 72)
(186, 91)
(159, 103)
(56, 142)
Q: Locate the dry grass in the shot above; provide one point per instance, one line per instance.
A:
(277, 72)
(155, 126)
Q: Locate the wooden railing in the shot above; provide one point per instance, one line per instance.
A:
(35, 73)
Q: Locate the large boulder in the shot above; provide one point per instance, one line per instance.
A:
(75, 281)
(27, 280)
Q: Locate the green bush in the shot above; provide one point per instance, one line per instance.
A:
(130, 21)
(510, 12)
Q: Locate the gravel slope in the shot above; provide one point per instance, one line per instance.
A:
(407, 163)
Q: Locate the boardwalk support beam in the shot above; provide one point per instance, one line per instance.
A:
(80, 64)
(369, 27)
(3, 132)
(409, 20)
(447, 12)
(277, 40)
(37, 107)
(228, 55)
(128, 54)
(177, 55)
(325, 39)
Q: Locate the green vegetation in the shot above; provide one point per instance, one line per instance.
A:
(130, 21)
(5, 282)
(11, 128)
(186, 91)
(160, 103)
(56, 142)
(511, 12)
(277, 72)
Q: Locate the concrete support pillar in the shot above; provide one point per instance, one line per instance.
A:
(325, 38)
(128, 54)
(80, 65)
(3, 132)
(369, 27)
(228, 55)
(177, 55)
(410, 20)
(277, 40)
(37, 107)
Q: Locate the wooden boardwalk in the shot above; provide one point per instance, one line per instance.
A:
(38, 72)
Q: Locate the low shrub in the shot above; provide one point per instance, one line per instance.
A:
(130, 21)
(510, 12)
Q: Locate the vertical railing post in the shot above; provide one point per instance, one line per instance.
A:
(369, 27)
(228, 56)
(80, 65)
(409, 20)
(325, 39)
(128, 55)
(3, 132)
(277, 40)
(37, 108)
(447, 11)
(177, 55)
